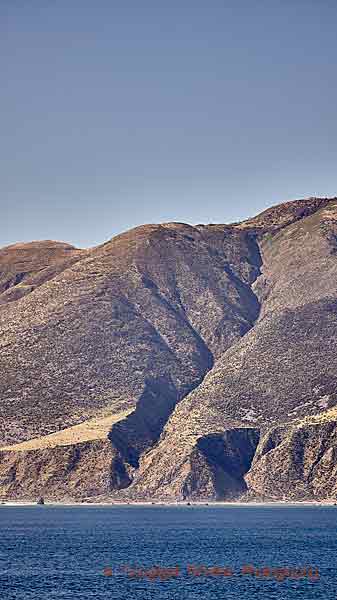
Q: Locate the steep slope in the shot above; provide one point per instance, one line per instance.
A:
(297, 460)
(282, 369)
(153, 365)
(131, 327)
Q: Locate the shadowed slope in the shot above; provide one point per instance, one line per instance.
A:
(201, 337)
(282, 369)
(132, 326)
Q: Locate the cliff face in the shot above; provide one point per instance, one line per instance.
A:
(151, 366)
(297, 460)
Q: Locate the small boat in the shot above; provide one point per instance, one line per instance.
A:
(40, 501)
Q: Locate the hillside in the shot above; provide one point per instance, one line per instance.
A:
(173, 361)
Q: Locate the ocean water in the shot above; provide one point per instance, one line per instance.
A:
(103, 553)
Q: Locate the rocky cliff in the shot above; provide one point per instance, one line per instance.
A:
(173, 361)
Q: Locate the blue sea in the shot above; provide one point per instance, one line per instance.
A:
(168, 553)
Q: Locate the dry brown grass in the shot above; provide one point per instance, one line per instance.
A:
(94, 429)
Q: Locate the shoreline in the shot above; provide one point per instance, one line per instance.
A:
(173, 504)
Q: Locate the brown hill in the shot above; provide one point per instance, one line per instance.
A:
(157, 364)
(24, 267)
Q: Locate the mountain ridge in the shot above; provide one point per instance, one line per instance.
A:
(175, 327)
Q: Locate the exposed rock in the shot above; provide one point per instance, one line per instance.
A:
(85, 469)
(208, 467)
(297, 461)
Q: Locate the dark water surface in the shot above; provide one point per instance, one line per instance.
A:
(49, 553)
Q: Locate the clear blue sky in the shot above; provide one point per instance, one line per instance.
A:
(115, 113)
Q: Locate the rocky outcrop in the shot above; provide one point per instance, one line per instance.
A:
(184, 343)
(210, 467)
(297, 461)
(79, 471)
